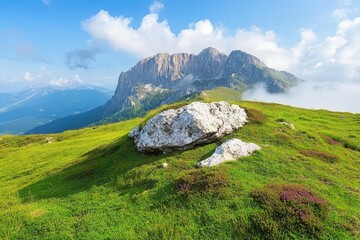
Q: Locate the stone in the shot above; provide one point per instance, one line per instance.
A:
(230, 150)
(194, 124)
(135, 132)
(164, 165)
(289, 124)
(49, 139)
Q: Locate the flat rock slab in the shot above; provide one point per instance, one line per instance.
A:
(228, 151)
(194, 124)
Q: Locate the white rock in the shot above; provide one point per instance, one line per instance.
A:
(289, 124)
(164, 165)
(229, 150)
(188, 126)
(135, 132)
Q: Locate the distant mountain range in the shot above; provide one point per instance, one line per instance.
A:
(165, 78)
(20, 112)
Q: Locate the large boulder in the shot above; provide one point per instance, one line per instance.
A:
(188, 126)
(229, 150)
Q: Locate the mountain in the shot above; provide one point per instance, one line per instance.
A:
(182, 74)
(166, 78)
(20, 112)
(92, 183)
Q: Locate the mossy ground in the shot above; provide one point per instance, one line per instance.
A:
(93, 184)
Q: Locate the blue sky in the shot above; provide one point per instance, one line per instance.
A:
(61, 41)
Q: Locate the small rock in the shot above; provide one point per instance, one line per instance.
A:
(289, 124)
(49, 139)
(164, 165)
(229, 150)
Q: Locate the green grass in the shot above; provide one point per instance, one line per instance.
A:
(221, 93)
(93, 184)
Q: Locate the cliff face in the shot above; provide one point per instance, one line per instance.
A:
(182, 73)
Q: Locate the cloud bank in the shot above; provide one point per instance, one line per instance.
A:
(76, 81)
(336, 96)
(28, 76)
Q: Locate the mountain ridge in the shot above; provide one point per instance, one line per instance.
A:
(180, 75)
(168, 71)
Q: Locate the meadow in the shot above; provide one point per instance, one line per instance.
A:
(92, 183)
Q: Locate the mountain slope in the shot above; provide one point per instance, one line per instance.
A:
(25, 110)
(165, 78)
(93, 184)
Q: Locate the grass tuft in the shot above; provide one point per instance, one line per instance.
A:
(331, 141)
(255, 116)
(209, 181)
(324, 156)
(288, 207)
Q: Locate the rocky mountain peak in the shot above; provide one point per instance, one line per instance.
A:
(210, 51)
(189, 73)
(238, 57)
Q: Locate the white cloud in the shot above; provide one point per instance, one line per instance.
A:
(154, 36)
(59, 82)
(46, 2)
(345, 2)
(341, 13)
(156, 7)
(337, 57)
(76, 81)
(28, 76)
(334, 96)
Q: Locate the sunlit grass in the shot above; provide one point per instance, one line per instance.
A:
(93, 184)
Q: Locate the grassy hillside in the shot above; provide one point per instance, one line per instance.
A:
(93, 184)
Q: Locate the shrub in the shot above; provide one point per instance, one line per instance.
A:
(330, 140)
(283, 136)
(348, 142)
(255, 116)
(213, 181)
(291, 208)
(324, 156)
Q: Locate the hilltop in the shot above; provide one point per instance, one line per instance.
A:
(92, 183)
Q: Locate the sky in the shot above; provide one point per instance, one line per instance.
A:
(57, 42)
